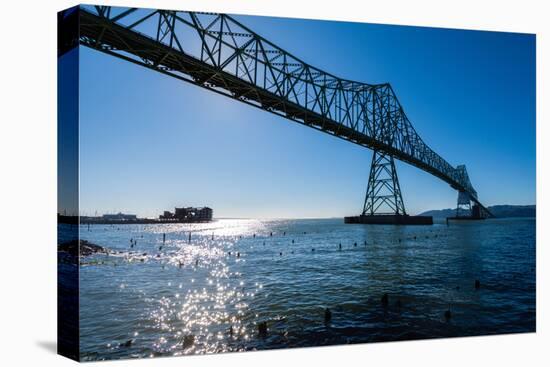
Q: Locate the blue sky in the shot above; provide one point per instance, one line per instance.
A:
(149, 142)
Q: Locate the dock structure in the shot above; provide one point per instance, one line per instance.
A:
(188, 214)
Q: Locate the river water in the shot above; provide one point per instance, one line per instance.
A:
(208, 294)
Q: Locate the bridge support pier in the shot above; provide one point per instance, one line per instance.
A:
(383, 200)
(383, 195)
(465, 210)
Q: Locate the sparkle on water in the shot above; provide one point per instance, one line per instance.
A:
(209, 294)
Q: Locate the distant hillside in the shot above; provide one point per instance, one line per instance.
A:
(499, 211)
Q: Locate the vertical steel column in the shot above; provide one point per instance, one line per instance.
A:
(383, 195)
(463, 205)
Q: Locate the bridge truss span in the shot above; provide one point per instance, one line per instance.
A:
(217, 52)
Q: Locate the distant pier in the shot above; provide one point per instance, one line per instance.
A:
(180, 215)
(90, 220)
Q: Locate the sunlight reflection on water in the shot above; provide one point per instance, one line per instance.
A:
(150, 297)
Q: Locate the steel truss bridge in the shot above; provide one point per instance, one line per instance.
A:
(216, 52)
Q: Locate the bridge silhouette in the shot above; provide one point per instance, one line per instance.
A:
(216, 52)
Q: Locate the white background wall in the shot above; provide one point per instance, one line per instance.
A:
(28, 181)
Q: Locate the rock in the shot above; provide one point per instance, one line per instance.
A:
(127, 343)
(84, 247)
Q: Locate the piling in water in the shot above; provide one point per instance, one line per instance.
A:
(262, 328)
(385, 300)
(447, 313)
(188, 341)
(328, 315)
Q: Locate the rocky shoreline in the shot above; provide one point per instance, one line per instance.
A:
(82, 247)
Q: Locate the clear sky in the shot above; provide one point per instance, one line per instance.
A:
(149, 142)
